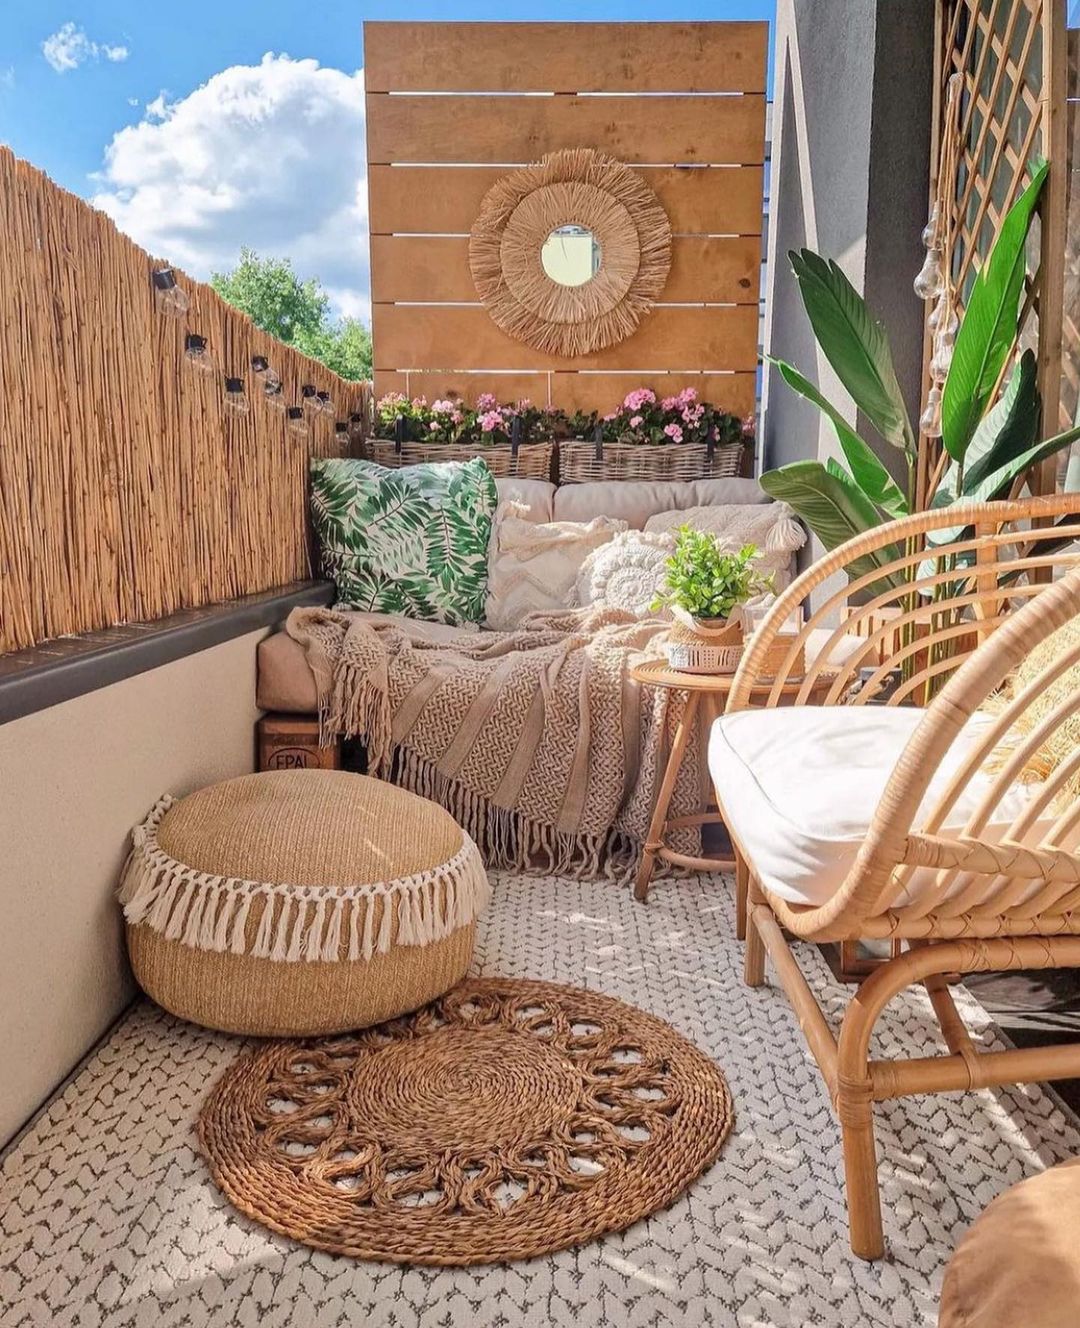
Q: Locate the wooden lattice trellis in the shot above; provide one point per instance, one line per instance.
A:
(1011, 58)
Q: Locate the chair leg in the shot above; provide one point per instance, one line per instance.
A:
(742, 885)
(754, 955)
(855, 1108)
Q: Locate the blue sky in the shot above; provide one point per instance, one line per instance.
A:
(168, 116)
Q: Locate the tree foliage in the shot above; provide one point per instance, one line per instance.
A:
(297, 312)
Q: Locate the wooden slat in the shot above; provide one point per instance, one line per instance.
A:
(423, 337)
(571, 391)
(445, 200)
(565, 57)
(433, 269)
(479, 129)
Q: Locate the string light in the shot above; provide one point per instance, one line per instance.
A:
(310, 397)
(197, 355)
(296, 423)
(273, 393)
(168, 297)
(341, 434)
(325, 404)
(235, 400)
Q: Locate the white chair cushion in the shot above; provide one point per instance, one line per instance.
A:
(800, 785)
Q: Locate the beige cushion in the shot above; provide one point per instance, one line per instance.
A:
(628, 573)
(286, 683)
(534, 565)
(634, 501)
(800, 785)
(535, 496)
(1019, 1264)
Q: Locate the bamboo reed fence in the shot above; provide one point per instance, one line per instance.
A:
(127, 489)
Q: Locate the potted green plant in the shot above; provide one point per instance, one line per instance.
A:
(705, 588)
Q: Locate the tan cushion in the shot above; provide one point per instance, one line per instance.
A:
(284, 680)
(770, 527)
(628, 573)
(634, 501)
(286, 683)
(1019, 1264)
(534, 566)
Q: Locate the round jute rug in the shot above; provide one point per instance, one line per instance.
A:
(507, 1119)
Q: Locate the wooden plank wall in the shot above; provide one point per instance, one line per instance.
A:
(453, 106)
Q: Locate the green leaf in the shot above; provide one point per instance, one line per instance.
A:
(1006, 431)
(1000, 480)
(855, 345)
(834, 507)
(988, 329)
(868, 471)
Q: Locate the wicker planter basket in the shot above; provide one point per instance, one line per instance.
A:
(532, 461)
(697, 646)
(581, 460)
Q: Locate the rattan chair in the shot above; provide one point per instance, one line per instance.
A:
(987, 900)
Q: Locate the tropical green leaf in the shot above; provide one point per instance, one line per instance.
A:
(868, 470)
(834, 507)
(999, 481)
(1006, 431)
(988, 329)
(855, 345)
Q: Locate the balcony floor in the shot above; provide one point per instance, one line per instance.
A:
(107, 1216)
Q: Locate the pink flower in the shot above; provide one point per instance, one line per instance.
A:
(486, 402)
(457, 417)
(490, 421)
(419, 402)
(433, 426)
(687, 396)
(613, 416)
(636, 421)
(641, 396)
(443, 407)
(692, 414)
(391, 399)
(524, 403)
(669, 403)
(673, 432)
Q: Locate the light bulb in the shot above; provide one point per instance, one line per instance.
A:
(271, 382)
(168, 297)
(939, 365)
(197, 355)
(930, 419)
(929, 235)
(325, 404)
(930, 282)
(310, 397)
(296, 423)
(341, 435)
(235, 400)
(273, 394)
(260, 366)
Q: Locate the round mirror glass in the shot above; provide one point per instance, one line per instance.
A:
(571, 255)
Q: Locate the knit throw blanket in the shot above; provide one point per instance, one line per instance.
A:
(537, 741)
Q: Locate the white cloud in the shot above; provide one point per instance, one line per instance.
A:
(7, 78)
(69, 47)
(270, 156)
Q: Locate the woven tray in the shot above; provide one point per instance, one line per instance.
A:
(526, 461)
(581, 460)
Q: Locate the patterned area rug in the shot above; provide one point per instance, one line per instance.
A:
(507, 1119)
(108, 1216)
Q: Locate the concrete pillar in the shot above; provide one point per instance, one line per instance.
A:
(850, 169)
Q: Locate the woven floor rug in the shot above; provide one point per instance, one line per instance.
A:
(505, 1120)
(109, 1218)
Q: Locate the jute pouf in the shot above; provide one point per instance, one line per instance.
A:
(297, 903)
(508, 1119)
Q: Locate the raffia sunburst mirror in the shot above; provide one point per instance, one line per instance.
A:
(569, 254)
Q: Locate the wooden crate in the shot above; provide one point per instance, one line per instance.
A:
(291, 742)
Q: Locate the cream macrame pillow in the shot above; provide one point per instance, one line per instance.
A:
(534, 565)
(626, 574)
(770, 526)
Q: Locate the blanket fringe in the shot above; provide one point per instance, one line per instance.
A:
(298, 923)
(509, 841)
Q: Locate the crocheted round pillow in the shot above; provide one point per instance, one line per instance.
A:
(301, 902)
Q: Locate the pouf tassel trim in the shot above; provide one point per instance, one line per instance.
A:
(298, 923)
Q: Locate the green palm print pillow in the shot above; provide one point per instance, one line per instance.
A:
(412, 541)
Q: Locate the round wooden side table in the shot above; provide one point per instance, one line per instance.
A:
(706, 696)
